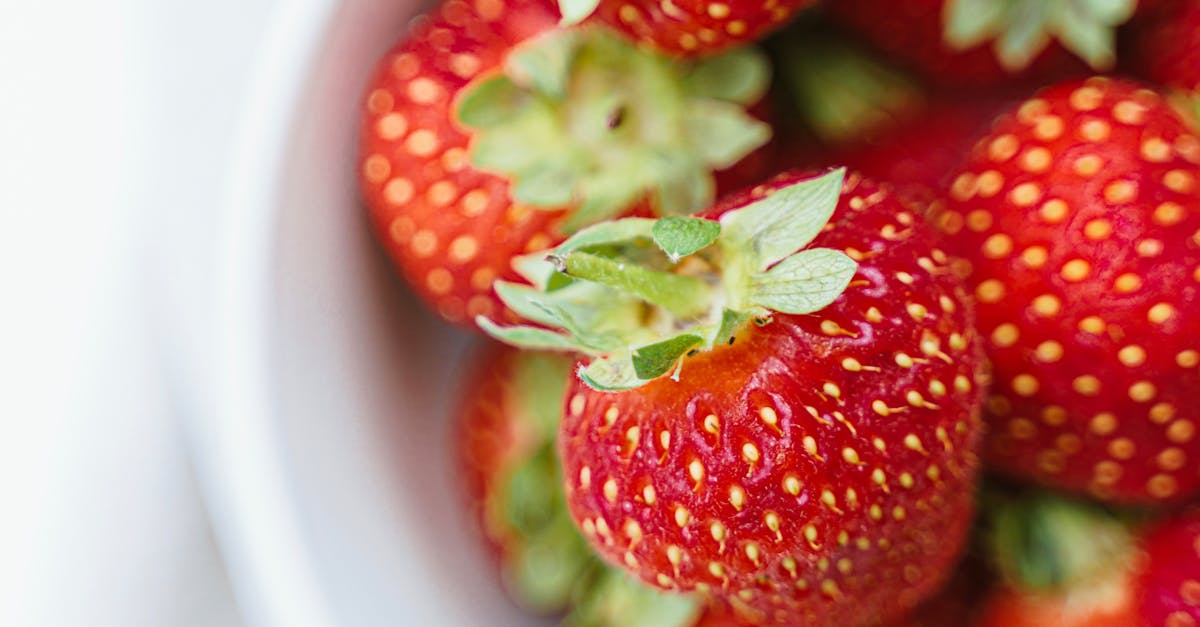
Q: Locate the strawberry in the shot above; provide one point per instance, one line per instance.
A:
(1166, 46)
(687, 28)
(488, 133)
(1070, 564)
(982, 42)
(1168, 588)
(1078, 219)
(505, 438)
(794, 428)
(917, 155)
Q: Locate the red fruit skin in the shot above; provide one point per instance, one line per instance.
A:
(869, 510)
(917, 156)
(491, 440)
(910, 31)
(1078, 215)
(449, 228)
(1011, 608)
(1169, 587)
(1166, 46)
(689, 28)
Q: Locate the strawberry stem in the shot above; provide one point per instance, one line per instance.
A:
(683, 296)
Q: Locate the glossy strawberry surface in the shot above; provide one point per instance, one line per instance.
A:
(1166, 46)
(917, 155)
(697, 27)
(1169, 588)
(911, 32)
(451, 228)
(819, 470)
(1079, 216)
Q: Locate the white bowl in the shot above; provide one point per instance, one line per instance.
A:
(326, 460)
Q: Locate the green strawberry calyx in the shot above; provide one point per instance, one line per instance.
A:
(549, 568)
(1046, 542)
(1021, 29)
(582, 119)
(843, 91)
(638, 295)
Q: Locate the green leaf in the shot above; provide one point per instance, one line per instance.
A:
(530, 337)
(731, 322)
(803, 283)
(519, 144)
(611, 374)
(544, 63)
(525, 300)
(683, 296)
(541, 381)
(1091, 39)
(616, 599)
(969, 23)
(680, 237)
(575, 11)
(535, 269)
(585, 331)
(722, 133)
(1026, 35)
(844, 91)
(1112, 12)
(545, 185)
(620, 231)
(684, 185)
(654, 360)
(529, 488)
(602, 201)
(547, 565)
(740, 76)
(767, 230)
(1043, 541)
(493, 102)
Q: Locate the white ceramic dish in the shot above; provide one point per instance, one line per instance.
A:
(325, 456)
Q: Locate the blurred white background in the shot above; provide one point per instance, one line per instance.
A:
(115, 123)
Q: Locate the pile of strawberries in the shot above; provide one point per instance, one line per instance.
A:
(853, 312)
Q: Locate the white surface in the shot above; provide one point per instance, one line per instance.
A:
(333, 389)
(114, 125)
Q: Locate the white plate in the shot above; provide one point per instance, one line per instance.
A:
(325, 458)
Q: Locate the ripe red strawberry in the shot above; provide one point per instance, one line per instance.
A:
(1168, 588)
(505, 438)
(687, 27)
(488, 133)
(1166, 46)
(1080, 217)
(918, 155)
(815, 467)
(505, 443)
(1070, 565)
(981, 42)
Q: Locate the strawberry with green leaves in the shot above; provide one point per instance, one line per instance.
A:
(687, 28)
(778, 408)
(982, 42)
(1071, 563)
(488, 133)
(505, 436)
(1078, 217)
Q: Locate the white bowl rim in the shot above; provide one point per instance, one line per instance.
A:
(236, 448)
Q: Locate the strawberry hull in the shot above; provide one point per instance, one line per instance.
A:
(819, 469)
